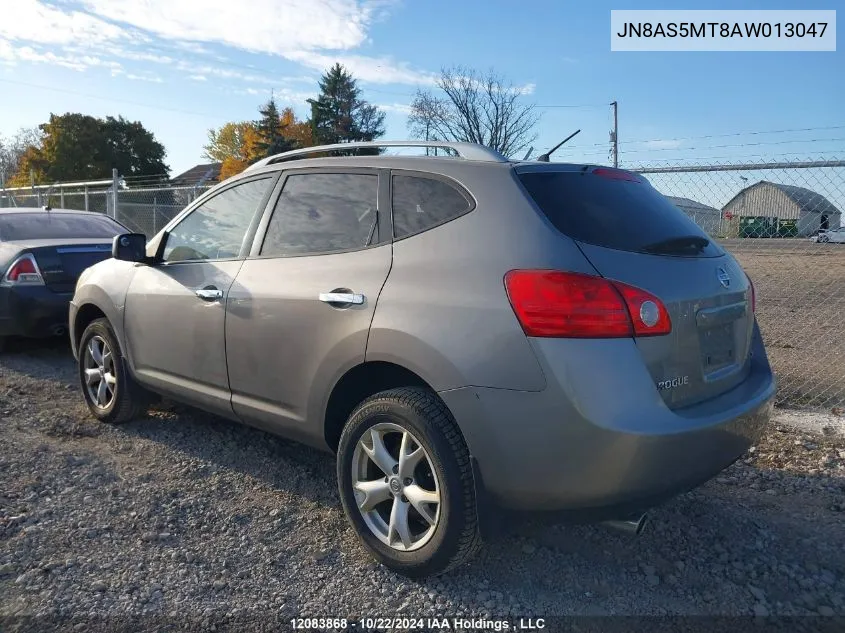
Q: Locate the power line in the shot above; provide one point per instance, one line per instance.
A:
(752, 133)
(685, 149)
(709, 136)
(127, 101)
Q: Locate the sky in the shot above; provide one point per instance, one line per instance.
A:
(184, 66)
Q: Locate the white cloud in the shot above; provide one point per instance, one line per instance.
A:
(313, 33)
(267, 26)
(198, 77)
(12, 54)
(151, 78)
(401, 108)
(35, 21)
(382, 70)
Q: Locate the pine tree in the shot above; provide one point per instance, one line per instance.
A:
(271, 131)
(339, 114)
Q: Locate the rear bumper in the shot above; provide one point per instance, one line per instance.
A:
(602, 440)
(33, 311)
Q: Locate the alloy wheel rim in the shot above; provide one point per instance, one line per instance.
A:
(396, 487)
(99, 372)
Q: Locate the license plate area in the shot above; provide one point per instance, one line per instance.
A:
(718, 347)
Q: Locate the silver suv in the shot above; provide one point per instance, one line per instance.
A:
(465, 333)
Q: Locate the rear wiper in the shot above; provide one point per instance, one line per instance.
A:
(678, 245)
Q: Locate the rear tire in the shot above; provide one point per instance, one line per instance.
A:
(824, 238)
(109, 391)
(406, 420)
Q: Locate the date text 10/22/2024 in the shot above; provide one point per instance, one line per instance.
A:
(425, 624)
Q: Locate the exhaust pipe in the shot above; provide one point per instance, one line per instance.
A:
(634, 525)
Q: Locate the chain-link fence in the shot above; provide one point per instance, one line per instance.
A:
(147, 210)
(85, 196)
(783, 222)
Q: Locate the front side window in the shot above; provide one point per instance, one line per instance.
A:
(216, 228)
(323, 213)
(422, 203)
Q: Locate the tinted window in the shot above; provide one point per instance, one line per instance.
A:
(216, 229)
(322, 213)
(619, 214)
(46, 225)
(421, 203)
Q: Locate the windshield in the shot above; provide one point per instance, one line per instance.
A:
(45, 226)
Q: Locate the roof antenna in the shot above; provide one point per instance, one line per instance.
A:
(544, 158)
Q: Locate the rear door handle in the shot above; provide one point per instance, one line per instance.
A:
(344, 298)
(209, 294)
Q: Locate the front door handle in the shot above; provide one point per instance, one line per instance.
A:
(209, 294)
(342, 298)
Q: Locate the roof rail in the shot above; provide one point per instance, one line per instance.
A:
(467, 151)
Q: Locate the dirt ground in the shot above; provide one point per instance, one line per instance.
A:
(801, 310)
(195, 522)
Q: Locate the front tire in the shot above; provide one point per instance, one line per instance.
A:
(109, 391)
(406, 483)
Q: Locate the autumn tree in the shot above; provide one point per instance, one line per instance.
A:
(76, 146)
(339, 114)
(235, 145)
(298, 132)
(13, 150)
(473, 107)
(238, 145)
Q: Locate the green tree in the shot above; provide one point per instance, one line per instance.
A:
(339, 114)
(271, 131)
(132, 149)
(76, 146)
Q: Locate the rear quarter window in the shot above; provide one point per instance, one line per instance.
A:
(421, 203)
(610, 212)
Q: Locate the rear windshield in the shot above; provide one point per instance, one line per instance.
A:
(46, 226)
(619, 214)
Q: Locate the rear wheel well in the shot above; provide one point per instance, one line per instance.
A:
(86, 314)
(358, 384)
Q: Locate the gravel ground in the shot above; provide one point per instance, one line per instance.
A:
(183, 515)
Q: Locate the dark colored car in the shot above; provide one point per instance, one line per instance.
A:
(42, 254)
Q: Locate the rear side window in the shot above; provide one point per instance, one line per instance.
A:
(46, 226)
(422, 203)
(323, 213)
(615, 213)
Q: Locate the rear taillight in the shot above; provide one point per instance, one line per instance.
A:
(551, 303)
(24, 271)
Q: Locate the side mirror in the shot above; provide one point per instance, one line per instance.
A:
(130, 247)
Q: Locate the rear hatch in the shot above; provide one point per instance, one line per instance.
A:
(631, 233)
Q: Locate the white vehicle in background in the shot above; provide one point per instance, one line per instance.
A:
(832, 235)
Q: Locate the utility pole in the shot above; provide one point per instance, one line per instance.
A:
(614, 135)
